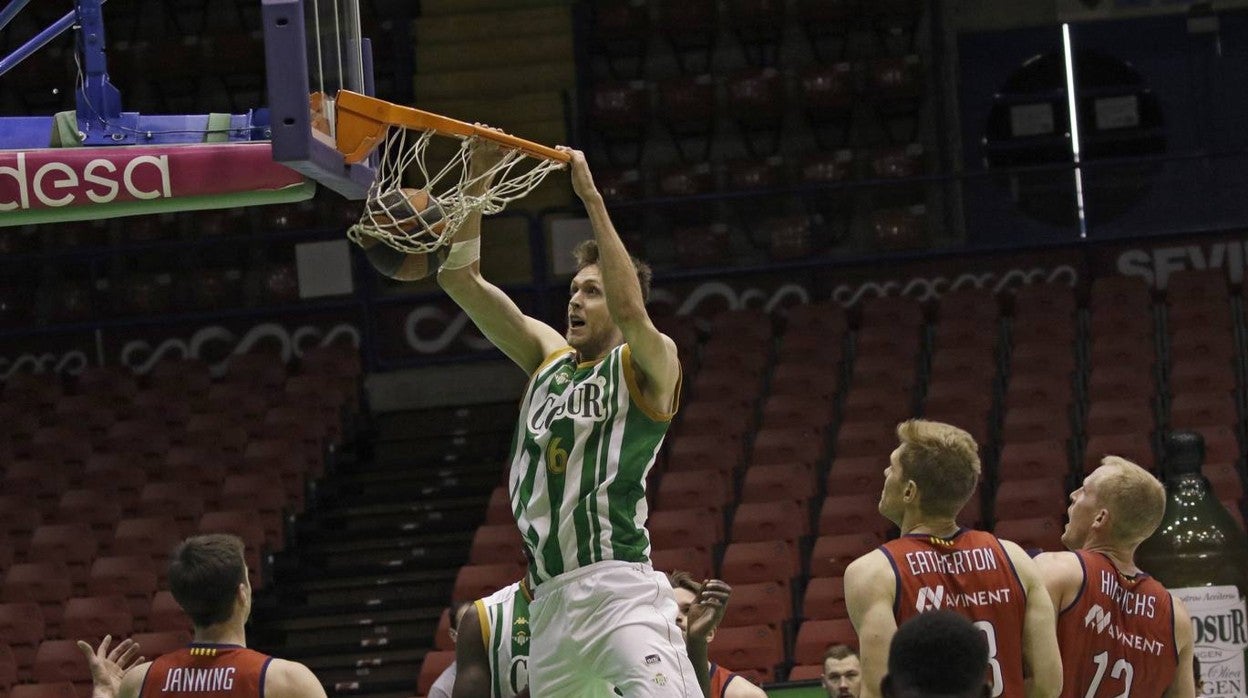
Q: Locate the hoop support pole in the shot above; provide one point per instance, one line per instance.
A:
(362, 122)
(40, 40)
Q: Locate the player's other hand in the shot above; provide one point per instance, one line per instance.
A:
(708, 609)
(108, 666)
(485, 153)
(582, 178)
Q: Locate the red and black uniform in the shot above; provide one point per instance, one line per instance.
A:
(207, 671)
(969, 573)
(1118, 634)
(720, 677)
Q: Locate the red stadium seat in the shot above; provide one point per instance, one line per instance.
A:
(704, 454)
(266, 496)
(1124, 416)
(441, 636)
(133, 577)
(859, 476)
(496, 542)
(156, 644)
(1225, 480)
(263, 371)
(974, 362)
(814, 637)
(679, 528)
(1198, 409)
(1221, 444)
(99, 510)
(765, 521)
(766, 603)
(825, 599)
(159, 499)
(73, 545)
(1200, 376)
(144, 441)
(8, 669)
(766, 561)
(687, 104)
(1203, 347)
(1130, 292)
(1034, 498)
(1044, 300)
(797, 444)
(171, 409)
(753, 647)
(60, 689)
(851, 514)
(620, 108)
(478, 581)
(1026, 424)
(1039, 392)
(91, 618)
(873, 439)
(677, 490)
(61, 660)
(431, 668)
(806, 672)
(1028, 459)
(1196, 284)
(709, 418)
(114, 382)
(166, 615)
(45, 583)
(833, 553)
(188, 376)
(1055, 361)
(812, 381)
(692, 560)
(1040, 533)
(1136, 448)
(801, 411)
(774, 483)
(22, 629)
(156, 536)
(498, 511)
(1125, 383)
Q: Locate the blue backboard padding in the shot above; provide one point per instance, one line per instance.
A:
(28, 132)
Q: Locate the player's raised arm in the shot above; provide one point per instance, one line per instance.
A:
(1184, 684)
(653, 353)
(870, 589)
(525, 340)
(1042, 660)
(472, 662)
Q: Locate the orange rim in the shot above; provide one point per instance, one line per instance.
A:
(362, 122)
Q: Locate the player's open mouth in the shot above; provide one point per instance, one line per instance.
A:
(575, 322)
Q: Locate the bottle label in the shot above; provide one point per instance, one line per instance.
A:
(1219, 619)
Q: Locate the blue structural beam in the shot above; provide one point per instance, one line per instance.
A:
(99, 102)
(10, 11)
(41, 39)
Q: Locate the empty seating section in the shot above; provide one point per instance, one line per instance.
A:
(759, 99)
(100, 483)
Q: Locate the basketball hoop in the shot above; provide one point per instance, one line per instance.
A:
(403, 135)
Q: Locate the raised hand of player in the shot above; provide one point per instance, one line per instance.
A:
(708, 609)
(108, 666)
(485, 153)
(582, 178)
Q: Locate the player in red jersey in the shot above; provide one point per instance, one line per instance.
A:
(1120, 631)
(938, 564)
(704, 603)
(208, 577)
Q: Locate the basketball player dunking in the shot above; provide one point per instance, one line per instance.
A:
(1120, 631)
(598, 404)
(208, 578)
(938, 564)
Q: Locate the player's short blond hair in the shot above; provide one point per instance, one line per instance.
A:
(942, 460)
(1135, 499)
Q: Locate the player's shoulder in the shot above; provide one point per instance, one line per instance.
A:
(740, 687)
(870, 568)
(285, 678)
(132, 680)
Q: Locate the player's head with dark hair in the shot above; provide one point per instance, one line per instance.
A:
(208, 578)
(686, 589)
(935, 468)
(592, 330)
(842, 672)
(938, 654)
(586, 254)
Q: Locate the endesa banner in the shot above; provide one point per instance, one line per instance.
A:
(102, 181)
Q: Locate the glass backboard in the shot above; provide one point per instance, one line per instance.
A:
(314, 49)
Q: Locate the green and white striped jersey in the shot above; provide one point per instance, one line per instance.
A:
(583, 447)
(504, 619)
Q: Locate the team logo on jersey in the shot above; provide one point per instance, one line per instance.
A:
(586, 400)
(521, 638)
(1097, 616)
(561, 378)
(652, 659)
(660, 680)
(930, 599)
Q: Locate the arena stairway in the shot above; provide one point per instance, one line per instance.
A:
(358, 598)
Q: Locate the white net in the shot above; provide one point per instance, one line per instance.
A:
(455, 190)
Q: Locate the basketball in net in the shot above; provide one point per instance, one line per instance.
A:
(403, 213)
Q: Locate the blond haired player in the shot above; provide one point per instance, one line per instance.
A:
(938, 564)
(598, 404)
(1120, 631)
